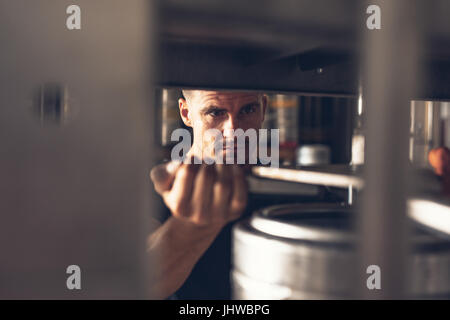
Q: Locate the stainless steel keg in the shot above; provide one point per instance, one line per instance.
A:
(307, 251)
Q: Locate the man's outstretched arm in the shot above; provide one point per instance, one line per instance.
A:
(202, 200)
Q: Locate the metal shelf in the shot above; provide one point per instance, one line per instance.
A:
(283, 46)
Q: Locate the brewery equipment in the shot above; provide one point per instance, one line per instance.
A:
(308, 251)
(313, 155)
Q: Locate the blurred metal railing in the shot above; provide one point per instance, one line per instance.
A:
(390, 72)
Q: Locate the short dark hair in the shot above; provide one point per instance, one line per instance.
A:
(187, 94)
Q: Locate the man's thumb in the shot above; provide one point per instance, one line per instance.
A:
(163, 175)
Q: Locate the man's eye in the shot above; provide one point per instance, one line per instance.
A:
(217, 113)
(248, 109)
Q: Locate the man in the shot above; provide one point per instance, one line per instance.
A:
(193, 244)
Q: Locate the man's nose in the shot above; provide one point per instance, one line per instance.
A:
(229, 126)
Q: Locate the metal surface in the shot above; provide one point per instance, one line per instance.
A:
(276, 24)
(76, 194)
(433, 214)
(269, 186)
(212, 66)
(279, 22)
(308, 251)
(313, 155)
(280, 45)
(333, 175)
(308, 222)
(389, 76)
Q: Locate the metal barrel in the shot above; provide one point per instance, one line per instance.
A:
(308, 251)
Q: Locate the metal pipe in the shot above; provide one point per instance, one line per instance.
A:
(389, 72)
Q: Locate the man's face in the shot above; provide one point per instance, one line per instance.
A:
(224, 111)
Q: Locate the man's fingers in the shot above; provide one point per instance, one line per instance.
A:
(163, 175)
(222, 191)
(202, 195)
(178, 198)
(239, 198)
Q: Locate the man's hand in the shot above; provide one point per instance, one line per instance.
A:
(202, 195)
(439, 159)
